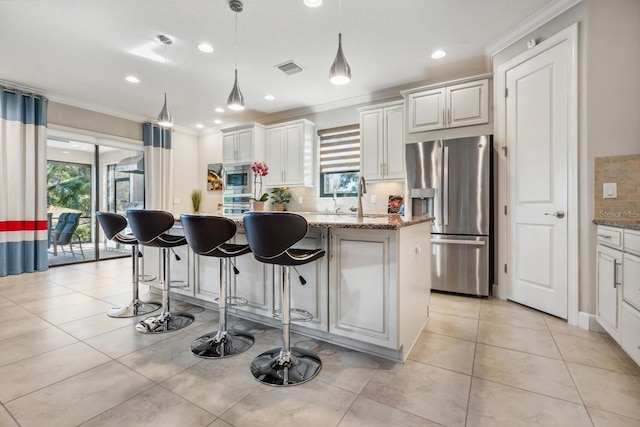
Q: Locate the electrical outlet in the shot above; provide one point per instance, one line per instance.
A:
(300, 199)
(176, 201)
(609, 190)
(374, 199)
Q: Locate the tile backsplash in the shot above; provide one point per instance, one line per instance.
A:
(624, 171)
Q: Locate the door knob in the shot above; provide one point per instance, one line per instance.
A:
(557, 214)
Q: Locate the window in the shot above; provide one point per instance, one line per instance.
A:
(339, 161)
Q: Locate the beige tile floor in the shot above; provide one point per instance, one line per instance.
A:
(479, 362)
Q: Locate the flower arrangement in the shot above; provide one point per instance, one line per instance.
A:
(281, 195)
(259, 169)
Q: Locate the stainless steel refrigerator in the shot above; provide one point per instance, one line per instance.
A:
(451, 180)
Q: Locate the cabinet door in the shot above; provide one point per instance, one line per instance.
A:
(245, 146)
(608, 273)
(360, 286)
(275, 154)
(254, 282)
(631, 275)
(426, 110)
(394, 138)
(207, 277)
(294, 155)
(371, 143)
(229, 148)
(311, 296)
(630, 331)
(468, 104)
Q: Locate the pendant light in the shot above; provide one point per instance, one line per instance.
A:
(236, 100)
(165, 119)
(340, 72)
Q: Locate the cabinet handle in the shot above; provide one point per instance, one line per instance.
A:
(449, 115)
(604, 236)
(444, 120)
(615, 273)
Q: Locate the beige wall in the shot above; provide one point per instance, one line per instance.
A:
(78, 118)
(608, 104)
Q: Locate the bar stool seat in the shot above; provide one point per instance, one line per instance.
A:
(271, 236)
(113, 224)
(150, 229)
(207, 236)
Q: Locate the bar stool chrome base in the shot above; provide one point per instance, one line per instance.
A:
(277, 368)
(134, 309)
(166, 322)
(218, 345)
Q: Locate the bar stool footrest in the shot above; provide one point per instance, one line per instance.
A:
(234, 301)
(297, 315)
(134, 309)
(178, 284)
(147, 278)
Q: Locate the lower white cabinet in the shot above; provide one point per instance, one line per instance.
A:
(618, 286)
(206, 278)
(362, 291)
(180, 264)
(609, 263)
(254, 282)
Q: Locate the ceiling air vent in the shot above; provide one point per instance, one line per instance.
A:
(290, 68)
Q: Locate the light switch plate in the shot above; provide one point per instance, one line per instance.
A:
(374, 199)
(609, 190)
(176, 201)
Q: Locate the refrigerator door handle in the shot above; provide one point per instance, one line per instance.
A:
(460, 242)
(445, 186)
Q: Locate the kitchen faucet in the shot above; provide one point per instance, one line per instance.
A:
(362, 188)
(336, 208)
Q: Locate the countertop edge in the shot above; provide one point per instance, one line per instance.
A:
(618, 224)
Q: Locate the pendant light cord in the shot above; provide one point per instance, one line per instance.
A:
(236, 42)
(339, 16)
(165, 68)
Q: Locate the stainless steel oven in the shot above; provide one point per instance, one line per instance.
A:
(237, 180)
(235, 204)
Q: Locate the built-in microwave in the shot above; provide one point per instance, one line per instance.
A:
(237, 179)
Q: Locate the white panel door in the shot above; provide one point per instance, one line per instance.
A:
(275, 154)
(371, 140)
(394, 138)
(294, 155)
(537, 132)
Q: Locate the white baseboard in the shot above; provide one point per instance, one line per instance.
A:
(588, 321)
(498, 292)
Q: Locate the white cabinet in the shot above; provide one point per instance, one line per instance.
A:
(180, 264)
(609, 263)
(254, 282)
(447, 106)
(243, 144)
(206, 278)
(362, 294)
(618, 286)
(290, 154)
(381, 142)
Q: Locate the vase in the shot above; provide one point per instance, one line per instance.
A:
(280, 207)
(257, 206)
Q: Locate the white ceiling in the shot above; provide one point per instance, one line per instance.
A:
(79, 51)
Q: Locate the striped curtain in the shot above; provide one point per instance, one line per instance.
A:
(158, 167)
(23, 190)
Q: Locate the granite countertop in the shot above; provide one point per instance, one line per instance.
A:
(629, 225)
(370, 221)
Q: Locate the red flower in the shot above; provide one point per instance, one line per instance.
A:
(259, 169)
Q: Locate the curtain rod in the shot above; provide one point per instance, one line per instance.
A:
(29, 95)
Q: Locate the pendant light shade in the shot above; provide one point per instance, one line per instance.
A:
(340, 72)
(236, 99)
(165, 119)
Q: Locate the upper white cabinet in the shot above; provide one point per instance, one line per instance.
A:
(381, 141)
(290, 154)
(243, 144)
(447, 106)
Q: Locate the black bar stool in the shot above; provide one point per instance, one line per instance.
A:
(271, 236)
(206, 236)
(150, 227)
(112, 225)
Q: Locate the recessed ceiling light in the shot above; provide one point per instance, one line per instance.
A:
(219, 110)
(313, 3)
(205, 47)
(199, 125)
(217, 121)
(132, 79)
(438, 54)
(65, 152)
(269, 97)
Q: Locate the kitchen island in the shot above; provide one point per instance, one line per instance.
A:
(370, 292)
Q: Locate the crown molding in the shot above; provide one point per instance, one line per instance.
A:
(535, 21)
(51, 96)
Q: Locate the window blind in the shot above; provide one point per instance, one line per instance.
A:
(340, 149)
